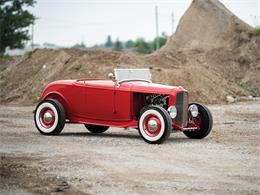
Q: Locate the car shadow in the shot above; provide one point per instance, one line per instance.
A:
(103, 135)
(172, 138)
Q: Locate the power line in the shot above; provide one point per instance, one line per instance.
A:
(86, 24)
(157, 27)
(58, 2)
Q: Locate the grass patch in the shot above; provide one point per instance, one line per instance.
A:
(29, 53)
(36, 97)
(257, 30)
(245, 84)
(5, 57)
(4, 61)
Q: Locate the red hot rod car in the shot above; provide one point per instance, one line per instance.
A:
(128, 99)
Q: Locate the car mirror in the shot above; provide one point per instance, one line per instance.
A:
(111, 76)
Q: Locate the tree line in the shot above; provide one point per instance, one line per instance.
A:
(140, 45)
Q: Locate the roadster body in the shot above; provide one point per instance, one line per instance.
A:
(128, 100)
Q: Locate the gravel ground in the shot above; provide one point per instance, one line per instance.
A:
(120, 162)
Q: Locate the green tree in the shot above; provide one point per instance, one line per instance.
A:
(109, 42)
(14, 18)
(141, 46)
(162, 41)
(118, 46)
(79, 45)
(129, 44)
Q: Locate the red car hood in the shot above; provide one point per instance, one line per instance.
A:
(135, 86)
(145, 87)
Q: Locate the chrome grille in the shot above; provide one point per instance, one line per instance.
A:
(181, 104)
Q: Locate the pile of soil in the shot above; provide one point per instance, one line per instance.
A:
(6, 61)
(213, 39)
(212, 54)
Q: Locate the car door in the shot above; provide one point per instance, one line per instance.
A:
(99, 102)
(122, 102)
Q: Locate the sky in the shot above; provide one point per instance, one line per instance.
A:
(67, 22)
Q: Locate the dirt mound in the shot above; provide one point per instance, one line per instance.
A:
(212, 54)
(23, 82)
(206, 25)
(224, 51)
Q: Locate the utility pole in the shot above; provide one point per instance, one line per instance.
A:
(0, 35)
(157, 27)
(258, 11)
(172, 22)
(32, 43)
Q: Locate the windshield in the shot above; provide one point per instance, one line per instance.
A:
(122, 75)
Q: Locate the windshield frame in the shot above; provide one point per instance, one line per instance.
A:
(118, 73)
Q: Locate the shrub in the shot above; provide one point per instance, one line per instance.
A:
(257, 30)
(36, 97)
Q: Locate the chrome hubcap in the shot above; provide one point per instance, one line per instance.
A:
(47, 117)
(152, 125)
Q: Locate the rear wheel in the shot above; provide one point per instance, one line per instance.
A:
(49, 117)
(204, 121)
(154, 124)
(96, 128)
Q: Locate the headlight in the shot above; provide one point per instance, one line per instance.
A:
(194, 110)
(172, 111)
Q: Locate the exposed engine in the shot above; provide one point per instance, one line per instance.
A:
(157, 99)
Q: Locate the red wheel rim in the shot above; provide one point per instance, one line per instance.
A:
(47, 117)
(198, 121)
(152, 125)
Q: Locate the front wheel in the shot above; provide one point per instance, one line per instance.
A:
(96, 128)
(49, 117)
(154, 124)
(204, 122)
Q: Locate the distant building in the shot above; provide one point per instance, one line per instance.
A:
(28, 48)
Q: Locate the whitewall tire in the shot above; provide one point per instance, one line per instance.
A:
(154, 124)
(49, 117)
